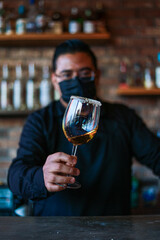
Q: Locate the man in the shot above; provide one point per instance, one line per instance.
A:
(44, 165)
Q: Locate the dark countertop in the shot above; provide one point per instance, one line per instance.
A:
(80, 228)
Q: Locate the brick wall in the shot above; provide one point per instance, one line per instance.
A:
(135, 34)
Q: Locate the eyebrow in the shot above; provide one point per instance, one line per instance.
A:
(69, 70)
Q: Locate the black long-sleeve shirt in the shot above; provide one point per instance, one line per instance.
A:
(104, 162)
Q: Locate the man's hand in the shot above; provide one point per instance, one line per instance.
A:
(56, 170)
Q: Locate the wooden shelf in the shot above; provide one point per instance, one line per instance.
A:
(49, 39)
(139, 91)
(14, 113)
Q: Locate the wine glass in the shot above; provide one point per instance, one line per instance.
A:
(80, 123)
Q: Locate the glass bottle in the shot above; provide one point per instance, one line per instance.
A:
(17, 88)
(123, 75)
(2, 22)
(4, 87)
(88, 23)
(100, 21)
(40, 18)
(137, 75)
(56, 23)
(8, 26)
(30, 87)
(31, 17)
(149, 73)
(10, 22)
(45, 87)
(157, 71)
(21, 20)
(74, 25)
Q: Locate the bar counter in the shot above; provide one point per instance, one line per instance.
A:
(81, 228)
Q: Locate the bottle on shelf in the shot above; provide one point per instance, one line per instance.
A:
(123, 76)
(4, 88)
(10, 22)
(17, 89)
(137, 75)
(74, 25)
(40, 19)
(100, 22)
(157, 71)
(149, 73)
(2, 20)
(55, 24)
(45, 87)
(30, 89)
(21, 20)
(31, 17)
(8, 26)
(89, 21)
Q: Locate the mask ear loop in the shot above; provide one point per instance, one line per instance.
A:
(93, 76)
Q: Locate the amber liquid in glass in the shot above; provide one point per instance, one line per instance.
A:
(80, 139)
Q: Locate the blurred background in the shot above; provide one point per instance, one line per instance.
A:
(125, 36)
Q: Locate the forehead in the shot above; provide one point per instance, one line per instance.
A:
(74, 61)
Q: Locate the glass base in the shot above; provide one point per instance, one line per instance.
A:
(75, 185)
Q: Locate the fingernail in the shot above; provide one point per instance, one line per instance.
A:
(77, 172)
(74, 161)
(72, 180)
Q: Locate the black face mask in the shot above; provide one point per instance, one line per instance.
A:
(76, 87)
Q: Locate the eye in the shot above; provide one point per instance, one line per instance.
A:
(66, 75)
(85, 73)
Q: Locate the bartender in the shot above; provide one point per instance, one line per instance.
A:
(44, 166)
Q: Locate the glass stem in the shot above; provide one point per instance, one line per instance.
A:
(74, 150)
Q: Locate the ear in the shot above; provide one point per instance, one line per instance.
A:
(57, 90)
(54, 81)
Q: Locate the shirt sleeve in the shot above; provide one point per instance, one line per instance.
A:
(25, 175)
(145, 144)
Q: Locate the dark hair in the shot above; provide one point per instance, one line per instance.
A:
(72, 46)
